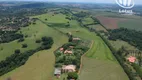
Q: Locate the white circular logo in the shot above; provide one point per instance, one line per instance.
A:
(125, 3)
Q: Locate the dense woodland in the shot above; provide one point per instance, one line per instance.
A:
(7, 36)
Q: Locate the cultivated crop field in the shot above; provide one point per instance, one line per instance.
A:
(125, 21)
(110, 23)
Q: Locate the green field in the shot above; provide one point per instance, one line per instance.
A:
(135, 24)
(33, 32)
(57, 18)
(97, 27)
(94, 69)
(40, 66)
(119, 43)
(87, 21)
(98, 63)
(98, 55)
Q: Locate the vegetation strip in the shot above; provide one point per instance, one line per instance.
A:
(81, 64)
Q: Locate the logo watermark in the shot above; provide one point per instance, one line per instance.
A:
(126, 5)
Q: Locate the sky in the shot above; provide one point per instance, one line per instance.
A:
(90, 1)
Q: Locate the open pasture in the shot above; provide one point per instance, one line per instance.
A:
(40, 66)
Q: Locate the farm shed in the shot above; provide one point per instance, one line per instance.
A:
(68, 52)
(57, 72)
(76, 39)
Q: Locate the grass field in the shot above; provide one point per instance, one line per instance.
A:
(135, 24)
(98, 27)
(40, 66)
(33, 32)
(98, 63)
(57, 18)
(119, 43)
(87, 21)
(98, 55)
(94, 69)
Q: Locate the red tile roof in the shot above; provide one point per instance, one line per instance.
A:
(131, 59)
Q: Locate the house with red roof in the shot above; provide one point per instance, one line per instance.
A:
(131, 59)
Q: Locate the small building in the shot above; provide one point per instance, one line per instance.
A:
(71, 47)
(68, 68)
(131, 59)
(61, 49)
(68, 52)
(76, 39)
(57, 72)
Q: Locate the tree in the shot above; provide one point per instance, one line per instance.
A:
(70, 38)
(24, 45)
(38, 41)
(44, 38)
(72, 75)
(34, 23)
(45, 19)
(21, 40)
(17, 51)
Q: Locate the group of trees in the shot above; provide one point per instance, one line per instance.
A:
(72, 75)
(81, 14)
(17, 58)
(7, 36)
(65, 59)
(74, 58)
(138, 69)
(133, 37)
(46, 42)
